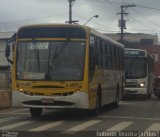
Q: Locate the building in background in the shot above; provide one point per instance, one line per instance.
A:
(134, 40)
(5, 72)
(4, 36)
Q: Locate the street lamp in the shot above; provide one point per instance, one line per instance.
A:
(95, 16)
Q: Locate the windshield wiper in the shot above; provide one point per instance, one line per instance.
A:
(38, 59)
(54, 57)
(128, 67)
(57, 53)
(130, 64)
(37, 54)
(47, 77)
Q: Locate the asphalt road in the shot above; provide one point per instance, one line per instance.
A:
(135, 117)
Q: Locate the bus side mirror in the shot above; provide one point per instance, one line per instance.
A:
(7, 53)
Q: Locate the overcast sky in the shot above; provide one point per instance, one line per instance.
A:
(145, 17)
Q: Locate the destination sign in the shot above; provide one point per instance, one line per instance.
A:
(134, 53)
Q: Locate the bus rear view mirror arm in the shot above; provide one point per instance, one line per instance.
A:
(7, 50)
(7, 53)
(9, 60)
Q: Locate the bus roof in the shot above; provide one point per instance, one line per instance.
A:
(86, 28)
(110, 40)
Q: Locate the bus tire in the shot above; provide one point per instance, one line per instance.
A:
(158, 94)
(149, 95)
(97, 109)
(116, 103)
(36, 112)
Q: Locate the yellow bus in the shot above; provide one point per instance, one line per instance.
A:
(66, 66)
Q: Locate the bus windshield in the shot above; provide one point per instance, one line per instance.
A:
(53, 60)
(136, 67)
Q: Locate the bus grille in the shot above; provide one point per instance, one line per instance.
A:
(132, 86)
(55, 103)
(52, 94)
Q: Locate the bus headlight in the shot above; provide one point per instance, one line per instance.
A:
(142, 85)
(20, 90)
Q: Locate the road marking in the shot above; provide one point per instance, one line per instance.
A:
(7, 119)
(14, 112)
(154, 127)
(120, 126)
(127, 103)
(15, 125)
(47, 126)
(19, 110)
(81, 127)
(140, 118)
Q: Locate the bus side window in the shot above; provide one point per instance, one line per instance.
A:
(98, 51)
(123, 59)
(92, 56)
(120, 59)
(103, 54)
(112, 57)
(107, 55)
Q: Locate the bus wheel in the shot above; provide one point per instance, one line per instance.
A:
(149, 95)
(116, 103)
(96, 110)
(158, 94)
(36, 112)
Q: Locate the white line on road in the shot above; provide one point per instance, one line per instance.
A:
(14, 112)
(127, 103)
(140, 118)
(82, 126)
(19, 110)
(154, 127)
(120, 126)
(47, 126)
(15, 125)
(7, 119)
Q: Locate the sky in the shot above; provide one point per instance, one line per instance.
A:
(144, 18)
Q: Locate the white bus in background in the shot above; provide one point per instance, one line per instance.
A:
(139, 73)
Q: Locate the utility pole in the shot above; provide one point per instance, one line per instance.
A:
(71, 2)
(122, 21)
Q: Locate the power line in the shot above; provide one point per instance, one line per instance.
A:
(32, 19)
(122, 2)
(141, 6)
(137, 21)
(139, 13)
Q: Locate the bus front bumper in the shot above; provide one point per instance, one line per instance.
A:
(76, 100)
(135, 91)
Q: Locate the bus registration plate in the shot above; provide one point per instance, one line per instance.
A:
(47, 100)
